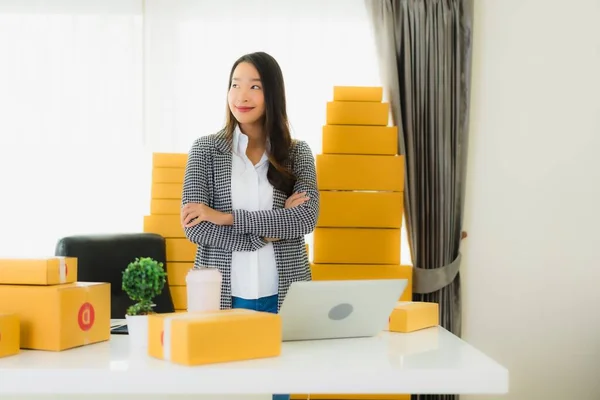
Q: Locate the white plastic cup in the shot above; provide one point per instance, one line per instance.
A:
(203, 289)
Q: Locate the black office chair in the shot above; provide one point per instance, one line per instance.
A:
(103, 258)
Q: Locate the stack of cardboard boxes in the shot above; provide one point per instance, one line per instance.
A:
(168, 170)
(44, 307)
(361, 182)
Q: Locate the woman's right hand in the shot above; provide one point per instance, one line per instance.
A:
(296, 199)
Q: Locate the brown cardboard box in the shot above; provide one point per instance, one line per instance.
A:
(214, 337)
(59, 317)
(412, 316)
(38, 271)
(9, 335)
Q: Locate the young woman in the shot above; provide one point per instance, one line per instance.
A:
(250, 193)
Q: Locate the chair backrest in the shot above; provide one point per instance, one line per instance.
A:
(103, 258)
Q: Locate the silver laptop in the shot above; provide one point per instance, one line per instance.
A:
(339, 309)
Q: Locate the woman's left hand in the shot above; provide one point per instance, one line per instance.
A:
(194, 213)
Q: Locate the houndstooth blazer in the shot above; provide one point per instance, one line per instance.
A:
(207, 180)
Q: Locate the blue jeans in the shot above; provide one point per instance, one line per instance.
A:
(266, 304)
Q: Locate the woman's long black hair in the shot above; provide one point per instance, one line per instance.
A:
(275, 121)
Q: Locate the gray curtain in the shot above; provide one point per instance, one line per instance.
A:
(424, 49)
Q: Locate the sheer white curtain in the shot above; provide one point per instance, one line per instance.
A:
(191, 45)
(91, 88)
(71, 155)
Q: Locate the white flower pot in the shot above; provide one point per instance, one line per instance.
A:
(137, 326)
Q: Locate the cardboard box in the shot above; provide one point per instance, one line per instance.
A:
(177, 272)
(38, 271)
(214, 337)
(357, 113)
(167, 175)
(357, 139)
(169, 160)
(179, 297)
(356, 246)
(165, 207)
(412, 316)
(359, 172)
(358, 93)
(181, 250)
(168, 226)
(9, 335)
(352, 209)
(171, 191)
(338, 272)
(59, 317)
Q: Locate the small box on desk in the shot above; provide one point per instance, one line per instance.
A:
(9, 335)
(38, 271)
(412, 316)
(200, 338)
(59, 317)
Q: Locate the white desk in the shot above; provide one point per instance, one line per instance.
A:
(428, 361)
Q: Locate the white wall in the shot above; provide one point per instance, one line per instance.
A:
(531, 272)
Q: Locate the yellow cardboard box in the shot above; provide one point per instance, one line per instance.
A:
(356, 246)
(59, 317)
(165, 207)
(412, 316)
(179, 297)
(359, 139)
(168, 226)
(167, 175)
(357, 113)
(9, 335)
(170, 191)
(169, 160)
(180, 250)
(338, 272)
(214, 337)
(360, 172)
(358, 93)
(353, 209)
(177, 272)
(38, 271)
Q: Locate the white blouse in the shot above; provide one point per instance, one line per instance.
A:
(253, 274)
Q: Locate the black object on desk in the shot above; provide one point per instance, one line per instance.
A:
(103, 258)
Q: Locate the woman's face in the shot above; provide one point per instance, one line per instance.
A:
(246, 98)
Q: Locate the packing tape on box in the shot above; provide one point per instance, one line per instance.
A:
(62, 269)
(199, 315)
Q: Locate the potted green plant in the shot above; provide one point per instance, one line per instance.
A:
(143, 280)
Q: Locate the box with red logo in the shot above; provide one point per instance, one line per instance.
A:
(9, 335)
(38, 271)
(59, 317)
